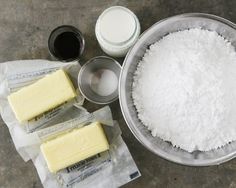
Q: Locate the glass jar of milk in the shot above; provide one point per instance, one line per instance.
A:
(117, 29)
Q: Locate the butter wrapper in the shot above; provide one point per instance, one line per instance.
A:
(17, 74)
(103, 115)
(112, 168)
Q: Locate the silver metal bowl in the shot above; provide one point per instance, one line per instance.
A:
(164, 149)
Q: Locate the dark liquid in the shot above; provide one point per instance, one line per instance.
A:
(67, 46)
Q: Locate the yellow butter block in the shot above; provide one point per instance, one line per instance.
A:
(74, 146)
(41, 96)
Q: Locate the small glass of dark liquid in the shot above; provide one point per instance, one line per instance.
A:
(66, 43)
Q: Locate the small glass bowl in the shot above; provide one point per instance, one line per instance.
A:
(89, 69)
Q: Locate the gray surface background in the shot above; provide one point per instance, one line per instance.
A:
(24, 29)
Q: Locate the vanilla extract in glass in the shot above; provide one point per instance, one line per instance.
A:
(66, 43)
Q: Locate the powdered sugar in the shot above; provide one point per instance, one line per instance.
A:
(184, 90)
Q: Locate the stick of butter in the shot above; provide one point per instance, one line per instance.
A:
(74, 146)
(41, 96)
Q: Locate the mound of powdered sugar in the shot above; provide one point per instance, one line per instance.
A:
(184, 90)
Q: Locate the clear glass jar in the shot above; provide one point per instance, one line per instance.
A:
(117, 29)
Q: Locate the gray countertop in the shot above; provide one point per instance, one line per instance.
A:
(24, 29)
